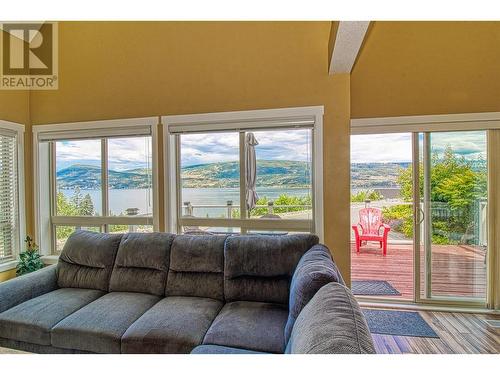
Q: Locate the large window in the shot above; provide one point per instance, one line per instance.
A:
(226, 178)
(98, 180)
(10, 205)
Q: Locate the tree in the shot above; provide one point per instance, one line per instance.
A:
(75, 206)
(77, 198)
(86, 206)
(65, 207)
(456, 185)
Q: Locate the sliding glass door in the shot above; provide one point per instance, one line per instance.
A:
(429, 191)
(382, 253)
(452, 213)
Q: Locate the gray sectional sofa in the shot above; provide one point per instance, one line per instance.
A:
(166, 293)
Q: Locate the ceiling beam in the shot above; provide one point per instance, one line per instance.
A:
(346, 38)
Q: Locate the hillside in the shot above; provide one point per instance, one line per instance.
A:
(88, 177)
(375, 175)
(269, 173)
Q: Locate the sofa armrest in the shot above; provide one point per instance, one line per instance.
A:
(23, 288)
(331, 323)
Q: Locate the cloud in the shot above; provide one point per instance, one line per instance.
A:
(123, 153)
(470, 144)
(383, 148)
(209, 148)
(220, 147)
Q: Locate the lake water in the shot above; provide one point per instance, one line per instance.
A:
(121, 199)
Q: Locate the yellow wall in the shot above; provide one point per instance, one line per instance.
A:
(4, 276)
(418, 68)
(14, 106)
(132, 69)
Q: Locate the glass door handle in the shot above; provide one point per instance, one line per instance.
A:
(422, 215)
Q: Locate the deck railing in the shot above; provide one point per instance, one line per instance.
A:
(189, 208)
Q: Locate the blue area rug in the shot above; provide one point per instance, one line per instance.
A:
(373, 288)
(398, 323)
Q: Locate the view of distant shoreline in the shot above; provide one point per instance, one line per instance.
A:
(275, 173)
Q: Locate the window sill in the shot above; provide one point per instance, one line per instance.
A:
(46, 259)
(7, 266)
(50, 259)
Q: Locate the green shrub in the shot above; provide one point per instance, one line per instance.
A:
(400, 218)
(365, 195)
(282, 200)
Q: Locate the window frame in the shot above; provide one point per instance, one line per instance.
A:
(480, 121)
(240, 122)
(105, 130)
(18, 130)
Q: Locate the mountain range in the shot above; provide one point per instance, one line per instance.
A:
(270, 173)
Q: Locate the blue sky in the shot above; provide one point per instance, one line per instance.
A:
(383, 148)
(130, 153)
(124, 153)
(218, 147)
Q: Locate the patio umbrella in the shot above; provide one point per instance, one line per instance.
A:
(251, 170)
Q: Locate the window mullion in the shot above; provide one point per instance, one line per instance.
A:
(243, 188)
(53, 192)
(104, 179)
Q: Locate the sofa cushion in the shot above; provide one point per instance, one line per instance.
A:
(218, 349)
(173, 325)
(99, 326)
(142, 263)
(87, 260)
(31, 321)
(28, 286)
(249, 325)
(331, 323)
(315, 269)
(196, 267)
(259, 267)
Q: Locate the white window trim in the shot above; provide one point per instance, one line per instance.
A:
(116, 126)
(426, 123)
(446, 123)
(241, 120)
(19, 129)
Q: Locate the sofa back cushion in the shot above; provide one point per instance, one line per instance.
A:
(87, 260)
(142, 263)
(315, 270)
(196, 267)
(331, 323)
(259, 267)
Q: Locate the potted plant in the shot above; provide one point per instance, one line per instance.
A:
(30, 260)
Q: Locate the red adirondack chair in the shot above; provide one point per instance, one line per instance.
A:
(372, 228)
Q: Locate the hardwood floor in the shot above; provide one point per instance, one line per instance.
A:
(459, 333)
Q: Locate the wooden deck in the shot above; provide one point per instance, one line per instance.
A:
(456, 270)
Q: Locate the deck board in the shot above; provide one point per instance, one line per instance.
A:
(456, 270)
